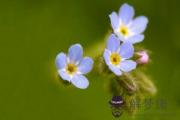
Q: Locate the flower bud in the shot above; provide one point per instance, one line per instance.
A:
(143, 57)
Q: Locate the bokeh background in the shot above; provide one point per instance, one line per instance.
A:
(33, 32)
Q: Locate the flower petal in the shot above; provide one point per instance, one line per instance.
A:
(136, 39)
(120, 37)
(126, 13)
(86, 65)
(113, 43)
(127, 65)
(64, 75)
(106, 56)
(115, 70)
(114, 20)
(80, 81)
(126, 50)
(75, 53)
(139, 24)
(60, 60)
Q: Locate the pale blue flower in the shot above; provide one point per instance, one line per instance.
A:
(73, 66)
(117, 56)
(126, 27)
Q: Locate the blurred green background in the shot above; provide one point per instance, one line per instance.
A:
(33, 32)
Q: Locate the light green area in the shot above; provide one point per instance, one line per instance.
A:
(33, 32)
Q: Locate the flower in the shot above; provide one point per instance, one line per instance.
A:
(116, 56)
(143, 57)
(73, 66)
(127, 28)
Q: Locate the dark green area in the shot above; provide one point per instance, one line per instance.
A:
(33, 32)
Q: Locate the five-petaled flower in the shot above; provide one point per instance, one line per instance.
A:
(127, 28)
(73, 66)
(116, 56)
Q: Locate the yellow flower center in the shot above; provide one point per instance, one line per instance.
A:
(115, 58)
(71, 68)
(124, 30)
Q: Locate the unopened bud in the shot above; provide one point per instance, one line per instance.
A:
(143, 57)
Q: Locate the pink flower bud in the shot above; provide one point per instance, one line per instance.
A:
(143, 57)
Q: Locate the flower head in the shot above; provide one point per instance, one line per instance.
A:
(143, 57)
(127, 28)
(73, 66)
(116, 56)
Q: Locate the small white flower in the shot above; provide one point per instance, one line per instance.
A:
(117, 56)
(73, 66)
(127, 28)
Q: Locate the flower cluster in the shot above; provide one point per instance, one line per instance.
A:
(122, 56)
(126, 31)
(119, 58)
(118, 54)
